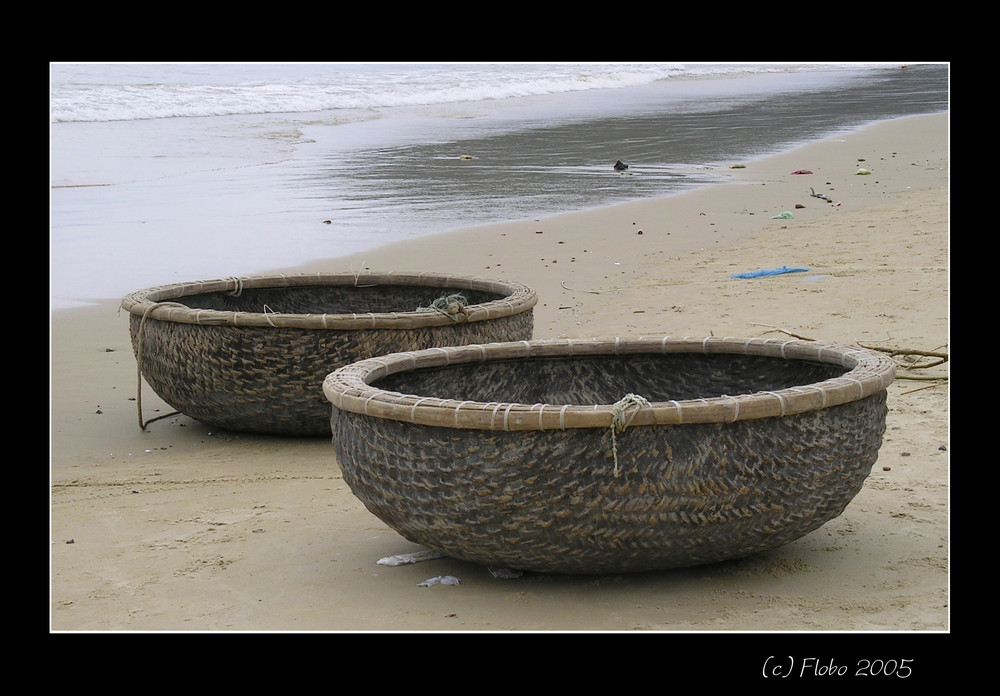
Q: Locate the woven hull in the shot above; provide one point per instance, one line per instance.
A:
(215, 356)
(567, 497)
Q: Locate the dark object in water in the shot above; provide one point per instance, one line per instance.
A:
(620, 166)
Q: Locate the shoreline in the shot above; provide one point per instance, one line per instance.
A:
(155, 531)
(702, 221)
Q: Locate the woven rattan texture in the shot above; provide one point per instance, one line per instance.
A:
(606, 379)
(548, 501)
(269, 379)
(331, 300)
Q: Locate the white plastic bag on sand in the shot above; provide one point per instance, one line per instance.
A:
(407, 558)
(440, 580)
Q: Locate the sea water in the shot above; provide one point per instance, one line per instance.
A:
(164, 173)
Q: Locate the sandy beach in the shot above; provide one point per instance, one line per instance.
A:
(182, 528)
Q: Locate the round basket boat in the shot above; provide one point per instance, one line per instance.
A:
(600, 456)
(250, 354)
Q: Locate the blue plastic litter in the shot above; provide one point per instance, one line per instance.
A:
(769, 272)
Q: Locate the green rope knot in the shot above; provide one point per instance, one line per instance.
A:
(621, 420)
(451, 305)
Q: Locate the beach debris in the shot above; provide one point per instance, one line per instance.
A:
(440, 580)
(862, 172)
(592, 292)
(802, 171)
(467, 157)
(737, 166)
(407, 558)
(620, 166)
(913, 359)
(786, 215)
(812, 192)
(799, 205)
(784, 331)
(769, 272)
(505, 573)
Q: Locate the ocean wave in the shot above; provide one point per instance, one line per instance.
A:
(121, 92)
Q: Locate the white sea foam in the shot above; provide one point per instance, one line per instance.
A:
(118, 92)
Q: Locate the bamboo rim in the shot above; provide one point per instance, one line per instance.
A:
(162, 303)
(349, 388)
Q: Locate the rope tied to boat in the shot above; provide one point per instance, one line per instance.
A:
(621, 418)
(450, 305)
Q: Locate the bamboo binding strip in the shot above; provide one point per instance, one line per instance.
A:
(516, 298)
(350, 388)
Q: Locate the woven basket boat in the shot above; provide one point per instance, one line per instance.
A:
(250, 354)
(598, 456)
